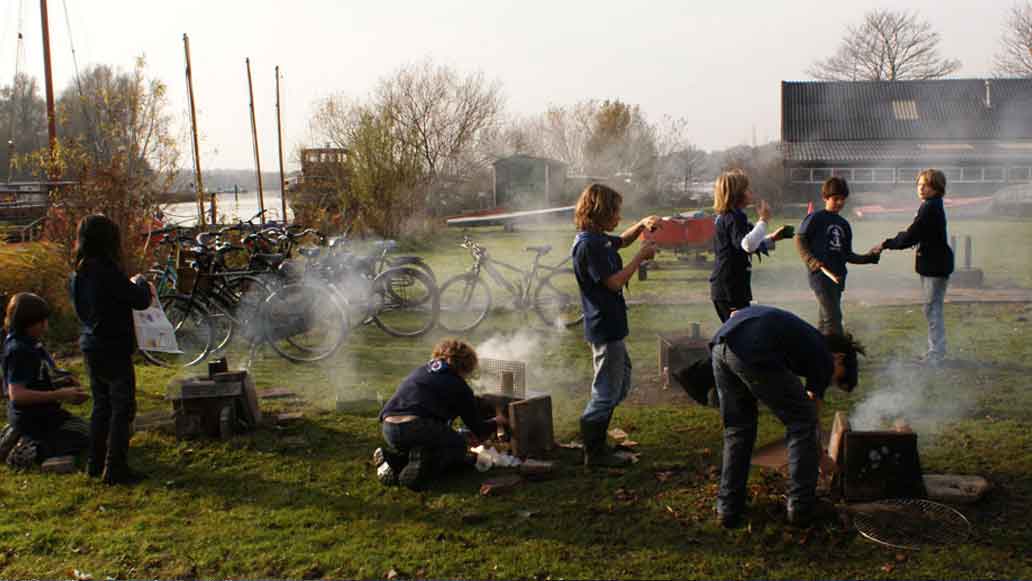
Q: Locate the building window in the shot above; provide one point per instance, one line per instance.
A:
(905, 110)
(840, 172)
(993, 174)
(800, 174)
(862, 176)
(820, 174)
(970, 174)
(1019, 174)
(907, 174)
(952, 174)
(884, 175)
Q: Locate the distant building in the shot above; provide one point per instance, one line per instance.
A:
(525, 182)
(880, 134)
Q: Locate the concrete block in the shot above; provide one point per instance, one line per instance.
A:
(530, 425)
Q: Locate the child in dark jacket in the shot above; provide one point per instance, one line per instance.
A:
(104, 298)
(417, 419)
(825, 243)
(734, 241)
(934, 262)
(39, 427)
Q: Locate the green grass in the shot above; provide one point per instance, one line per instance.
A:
(302, 501)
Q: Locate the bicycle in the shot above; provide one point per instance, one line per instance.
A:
(551, 291)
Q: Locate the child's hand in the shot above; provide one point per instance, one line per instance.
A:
(73, 395)
(877, 249)
(763, 210)
(650, 223)
(648, 250)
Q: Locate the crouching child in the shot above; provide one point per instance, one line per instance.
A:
(420, 442)
(39, 428)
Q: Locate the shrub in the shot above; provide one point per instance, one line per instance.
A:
(41, 268)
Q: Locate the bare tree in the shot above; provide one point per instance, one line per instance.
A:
(442, 115)
(887, 46)
(1015, 56)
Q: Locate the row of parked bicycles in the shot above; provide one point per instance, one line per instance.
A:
(301, 293)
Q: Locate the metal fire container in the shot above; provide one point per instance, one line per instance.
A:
(881, 464)
(530, 431)
(681, 351)
(493, 376)
(216, 407)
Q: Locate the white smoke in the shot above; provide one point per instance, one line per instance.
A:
(915, 393)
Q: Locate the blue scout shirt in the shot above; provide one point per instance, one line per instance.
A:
(595, 259)
(831, 241)
(763, 336)
(731, 279)
(27, 363)
(434, 391)
(104, 299)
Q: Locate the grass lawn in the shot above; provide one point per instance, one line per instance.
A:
(301, 500)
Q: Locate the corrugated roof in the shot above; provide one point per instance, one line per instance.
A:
(948, 109)
(903, 151)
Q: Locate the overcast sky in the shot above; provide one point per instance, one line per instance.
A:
(717, 64)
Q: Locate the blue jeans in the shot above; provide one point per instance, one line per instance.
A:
(829, 308)
(446, 447)
(612, 381)
(740, 386)
(934, 295)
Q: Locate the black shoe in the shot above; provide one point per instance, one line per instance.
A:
(121, 476)
(731, 520)
(414, 475)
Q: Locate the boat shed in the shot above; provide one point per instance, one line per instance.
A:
(880, 134)
(524, 182)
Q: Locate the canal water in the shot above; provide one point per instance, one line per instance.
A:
(230, 207)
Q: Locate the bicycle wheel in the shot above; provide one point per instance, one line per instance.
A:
(234, 309)
(465, 302)
(412, 262)
(193, 329)
(303, 322)
(405, 302)
(557, 300)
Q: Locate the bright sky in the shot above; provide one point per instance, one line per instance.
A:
(717, 64)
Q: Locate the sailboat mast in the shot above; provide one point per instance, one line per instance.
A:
(49, 81)
(198, 180)
(254, 138)
(279, 135)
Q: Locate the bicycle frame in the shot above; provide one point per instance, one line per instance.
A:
(528, 279)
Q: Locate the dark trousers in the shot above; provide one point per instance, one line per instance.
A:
(445, 447)
(113, 384)
(740, 386)
(58, 434)
(829, 308)
(725, 308)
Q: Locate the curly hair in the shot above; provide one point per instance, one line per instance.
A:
(596, 207)
(25, 310)
(935, 179)
(728, 190)
(459, 355)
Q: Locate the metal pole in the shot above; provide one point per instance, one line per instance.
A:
(254, 138)
(198, 180)
(967, 253)
(49, 81)
(279, 137)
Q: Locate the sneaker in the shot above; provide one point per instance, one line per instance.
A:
(415, 474)
(8, 439)
(23, 456)
(126, 476)
(730, 520)
(384, 472)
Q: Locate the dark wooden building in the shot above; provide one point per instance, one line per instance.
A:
(524, 182)
(880, 134)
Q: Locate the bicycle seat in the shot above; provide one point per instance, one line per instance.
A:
(541, 250)
(309, 252)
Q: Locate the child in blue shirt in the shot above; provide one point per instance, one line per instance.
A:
(601, 276)
(39, 427)
(825, 243)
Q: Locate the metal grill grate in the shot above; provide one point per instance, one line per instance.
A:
(907, 523)
(491, 375)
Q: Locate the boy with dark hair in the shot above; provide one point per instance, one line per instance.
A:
(759, 355)
(601, 276)
(39, 428)
(420, 443)
(934, 256)
(825, 243)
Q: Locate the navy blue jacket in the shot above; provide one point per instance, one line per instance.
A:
(731, 279)
(928, 233)
(595, 259)
(763, 336)
(439, 395)
(104, 299)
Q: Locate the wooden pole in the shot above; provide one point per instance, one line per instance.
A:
(49, 82)
(279, 136)
(254, 138)
(198, 180)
